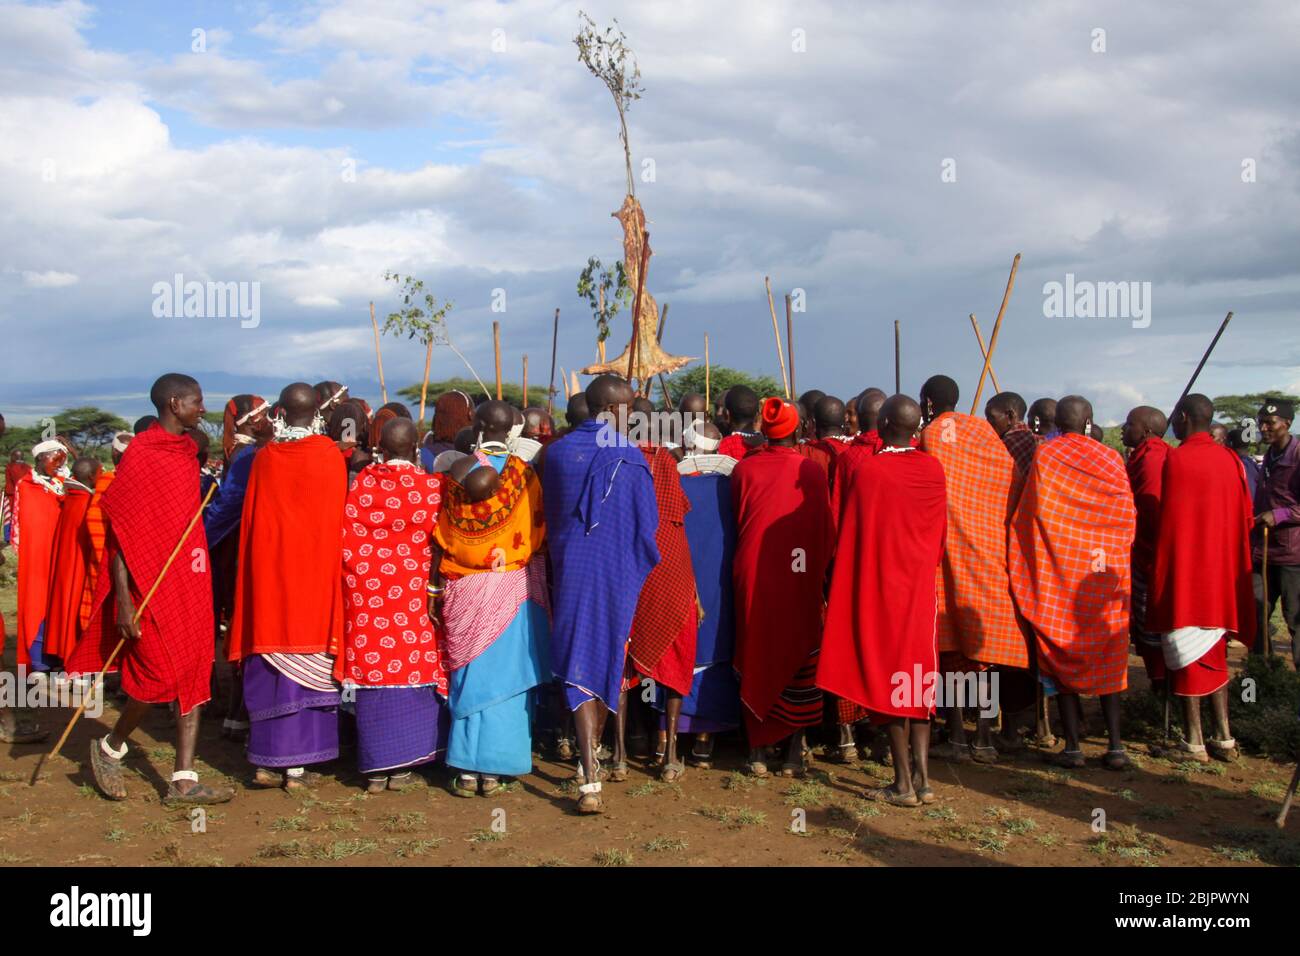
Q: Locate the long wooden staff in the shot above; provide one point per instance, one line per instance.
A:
(636, 306)
(983, 351)
(659, 338)
(378, 356)
(496, 348)
(789, 341)
(780, 355)
(524, 401)
(122, 642)
(997, 327)
(424, 382)
(707, 407)
(1204, 358)
(898, 365)
(550, 389)
(1266, 639)
(1290, 796)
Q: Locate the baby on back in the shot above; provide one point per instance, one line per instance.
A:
(480, 481)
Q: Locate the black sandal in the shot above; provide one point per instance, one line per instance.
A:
(21, 731)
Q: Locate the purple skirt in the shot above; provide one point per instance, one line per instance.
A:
(399, 727)
(290, 725)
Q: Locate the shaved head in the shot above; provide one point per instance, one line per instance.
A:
(1074, 415)
(169, 386)
(606, 393)
(576, 412)
(742, 406)
(298, 402)
(1142, 423)
(693, 403)
(537, 424)
(495, 419)
(1042, 416)
(397, 439)
(939, 394)
(1193, 414)
(643, 406)
(869, 405)
(900, 417)
(86, 471)
(1004, 411)
(828, 416)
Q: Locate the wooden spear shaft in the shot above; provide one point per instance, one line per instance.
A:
(983, 351)
(898, 368)
(378, 355)
(496, 348)
(424, 382)
(1205, 358)
(997, 327)
(525, 398)
(776, 331)
(550, 389)
(789, 340)
(135, 619)
(707, 406)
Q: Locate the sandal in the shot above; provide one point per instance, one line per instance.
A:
(703, 761)
(923, 793)
(893, 797)
(1118, 760)
(403, 781)
(673, 772)
(464, 785)
(21, 731)
(956, 753)
(564, 749)
(201, 796)
(1069, 759)
(848, 753)
(376, 784)
(757, 768)
(266, 777)
(307, 780)
(1225, 750)
(789, 769)
(618, 773)
(602, 773)
(985, 755)
(107, 770)
(491, 784)
(589, 800)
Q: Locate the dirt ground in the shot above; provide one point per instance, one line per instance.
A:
(1020, 812)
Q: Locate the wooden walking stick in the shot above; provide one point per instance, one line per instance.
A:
(707, 407)
(550, 388)
(1266, 638)
(659, 337)
(40, 764)
(983, 351)
(789, 341)
(898, 367)
(780, 355)
(997, 327)
(1290, 796)
(378, 356)
(636, 306)
(524, 401)
(1204, 358)
(496, 348)
(424, 382)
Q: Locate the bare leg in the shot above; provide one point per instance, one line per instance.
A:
(587, 719)
(898, 749)
(1110, 711)
(955, 725)
(984, 731)
(674, 709)
(128, 721)
(1219, 704)
(187, 736)
(1043, 716)
(919, 730)
(620, 730)
(1192, 720)
(1071, 712)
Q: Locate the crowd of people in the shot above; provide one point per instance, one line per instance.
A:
(873, 566)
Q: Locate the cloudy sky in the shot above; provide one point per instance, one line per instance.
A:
(889, 159)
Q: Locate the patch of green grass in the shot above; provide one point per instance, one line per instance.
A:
(288, 850)
(158, 827)
(87, 792)
(1125, 794)
(486, 836)
(1267, 727)
(865, 809)
(997, 813)
(1128, 842)
(1019, 826)
(665, 845)
(807, 793)
(982, 838)
(10, 859)
(553, 861)
(411, 822)
(343, 849)
(733, 817)
(1268, 790)
(647, 789)
(1237, 854)
(1272, 845)
(1048, 839)
(940, 813)
(1157, 811)
(613, 857)
(163, 752)
(404, 849)
(296, 822)
(11, 776)
(116, 835)
(739, 781)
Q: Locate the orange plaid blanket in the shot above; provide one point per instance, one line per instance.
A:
(977, 616)
(1070, 563)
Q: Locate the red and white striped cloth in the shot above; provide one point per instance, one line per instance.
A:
(478, 607)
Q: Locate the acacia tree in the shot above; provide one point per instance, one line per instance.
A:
(610, 60)
(427, 323)
(596, 284)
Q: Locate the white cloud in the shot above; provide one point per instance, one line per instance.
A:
(49, 280)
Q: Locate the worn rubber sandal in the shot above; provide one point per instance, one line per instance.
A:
(673, 772)
(107, 771)
(893, 797)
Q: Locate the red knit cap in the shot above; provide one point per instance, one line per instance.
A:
(780, 418)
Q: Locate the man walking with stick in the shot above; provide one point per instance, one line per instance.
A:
(167, 650)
